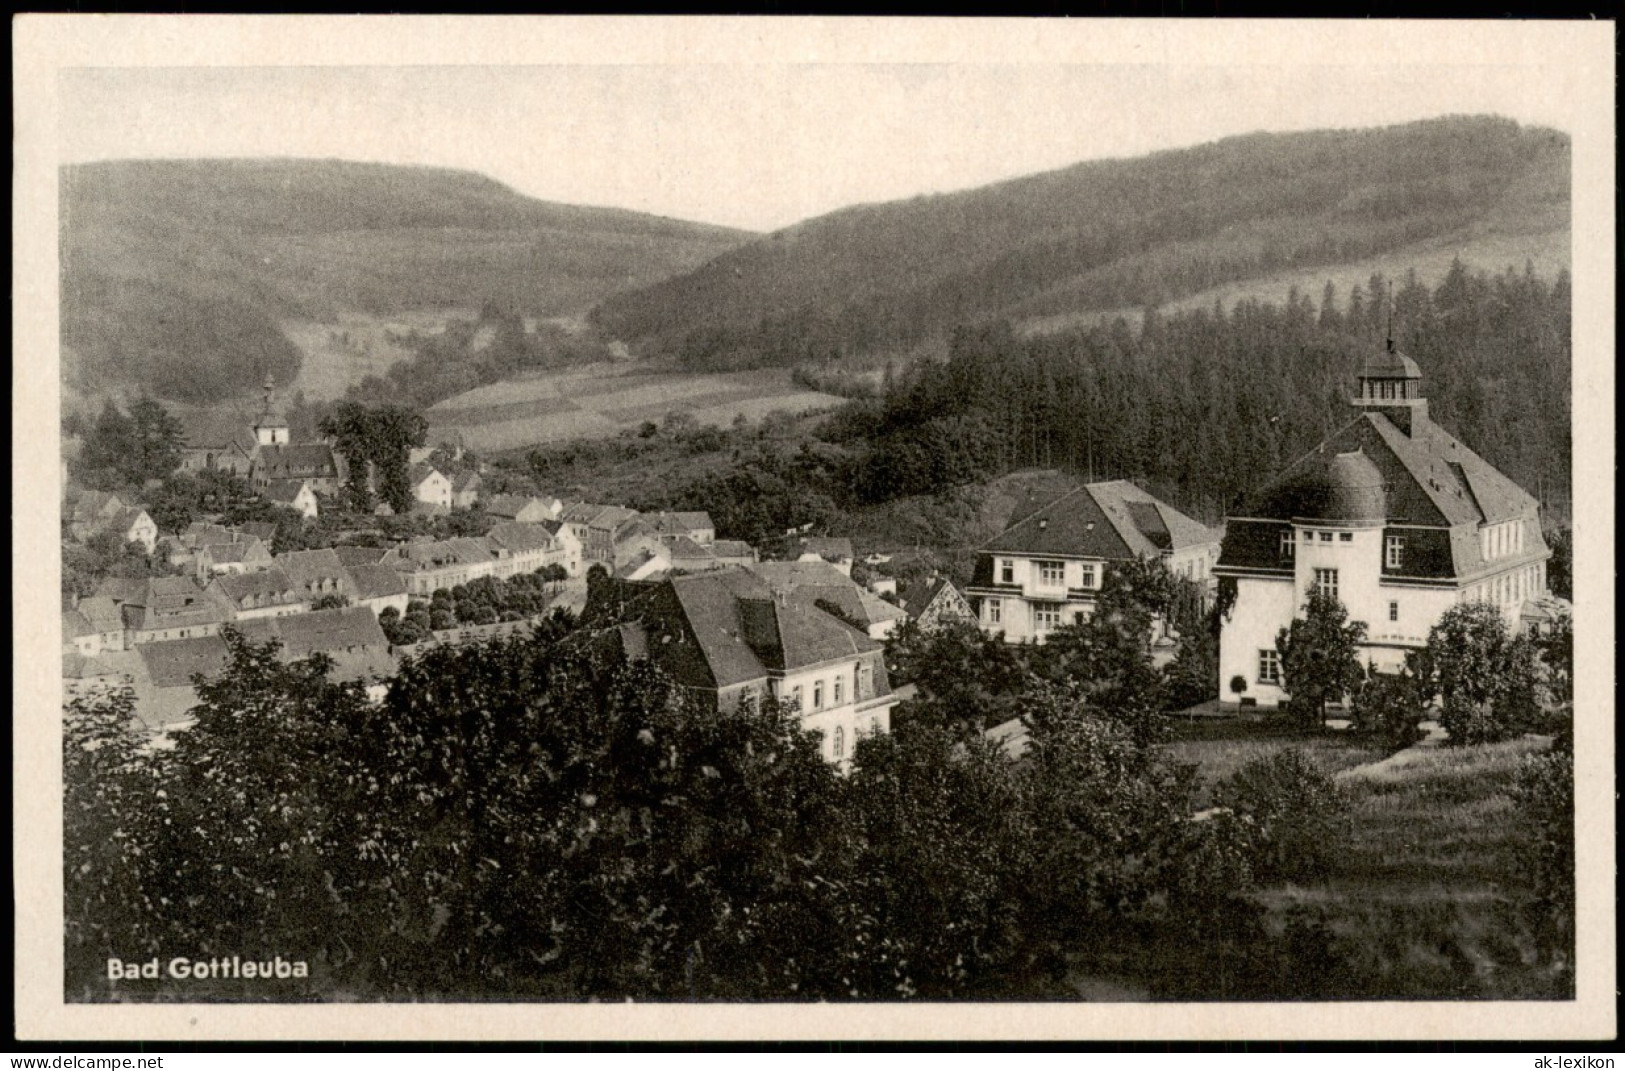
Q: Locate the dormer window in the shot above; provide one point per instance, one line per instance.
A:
(1052, 574)
(1394, 551)
(1288, 545)
(1007, 571)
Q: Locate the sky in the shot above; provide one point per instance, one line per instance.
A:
(758, 145)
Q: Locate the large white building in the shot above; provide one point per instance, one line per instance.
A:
(1393, 516)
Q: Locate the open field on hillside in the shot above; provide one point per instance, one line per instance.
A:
(1548, 251)
(601, 401)
(338, 355)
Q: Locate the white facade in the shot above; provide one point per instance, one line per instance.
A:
(1049, 592)
(827, 697)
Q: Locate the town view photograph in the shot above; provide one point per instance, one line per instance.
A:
(869, 533)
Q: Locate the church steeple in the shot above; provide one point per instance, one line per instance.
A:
(269, 428)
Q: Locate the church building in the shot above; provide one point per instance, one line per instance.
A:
(1392, 515)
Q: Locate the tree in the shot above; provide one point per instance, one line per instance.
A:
(156, 439)
(109, 444)
(1108, 655)
(1486, 678)
(376, 441)
(1320, 657)
(331, 601)
(1296, 813)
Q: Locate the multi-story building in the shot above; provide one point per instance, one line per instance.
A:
(428, 567)
(726, 637)
(1047, 569)
(263, 593)
(1394, 517)
(600, 529)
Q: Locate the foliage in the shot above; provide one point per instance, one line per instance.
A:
(1295, 814)
(1544, 796)
(185, 497)
(964, 677)
(1560, 566)
(1107, 656)
(332, 601)
(1319, 657)
(1486, 677)
(378, 438)
(106, 554)
(1389, 707)
(129, 449)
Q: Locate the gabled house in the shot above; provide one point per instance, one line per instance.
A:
(173, 608)
(297, 495)
(465, 490)
(635, 541)
(90, 512)
(134, 526)
(695, 525)
(244, 555)
(601, 530)
(266, 593)
(1047, 568)
(726, 638)
(569, 545)
(934, 601)
(106, 620)
(1394, 517)
(430, 487)
(316, 573)
(313, 462)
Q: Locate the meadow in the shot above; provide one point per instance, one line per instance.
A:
(1425, 899)
(602, 401)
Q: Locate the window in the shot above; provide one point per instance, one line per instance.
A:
(839, 688)
(1269, 666)
(795, 696)
(994, 609)
(865, 679)
(818, 695)
(1007, 571)
(1077, 617)
(1308, 536)
(874, 724)
(1394, 551)
(1046, 615)
(1288, 545)
(1325, 537)
(1052, 574)
(1393, 611)
(1088, 574)
(840, 742)
(1345, 537)
(1326, 582)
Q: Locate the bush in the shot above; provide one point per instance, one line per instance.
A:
(1544, 794)
(1297, 814)
(1389, 708)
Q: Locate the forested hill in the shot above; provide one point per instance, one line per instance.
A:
(1102, 236)
(176, 274)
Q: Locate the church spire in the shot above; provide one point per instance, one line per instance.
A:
(270, 429)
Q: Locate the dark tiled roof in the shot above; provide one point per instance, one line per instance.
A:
(101, 614)
(241, 551)
(299, 459)
(307, 567)
(465, 481)
(329, 631)
(1114, 521)
(354, 556)
(683, 548)
(75, 624)
(509, 506)
(919, 594)
(420, 472)
(733, 548)
(518, 537)
(1390, 364)
(172, 663)
(376, 581)
(284, 491)
(273, 582)
(830, 548)
(122, 589)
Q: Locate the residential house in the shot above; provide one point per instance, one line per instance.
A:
(264, 531)
(350, 636)
(79, 635)
(569, 545)
(465, 490)
(316, 573)
(265, 593)
(1394, 517)
(90, 512)
(199, 533)
(245, 555)
(106, 620)
(430, 487)
(297, 495)
(1047, 569)
(172, 608)
(353, 556)
(934, 602)
(726, 638)
(428, 567)
(221, 440)
(377, 587)
(522, 509)
(693, 525)
(645, 564)
(822, 585)
(688, 556)
(836, 551)
(522, 548)
(604, 533)
(134, 526)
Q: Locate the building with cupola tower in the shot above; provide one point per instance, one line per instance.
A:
(270, 429)
(1391, 514)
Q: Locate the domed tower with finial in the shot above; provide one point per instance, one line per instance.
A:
(1391, 384)
(270, 429)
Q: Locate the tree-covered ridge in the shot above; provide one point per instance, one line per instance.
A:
(1100, 236)
(176, 274)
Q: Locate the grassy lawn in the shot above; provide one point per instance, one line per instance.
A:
(1424, 899)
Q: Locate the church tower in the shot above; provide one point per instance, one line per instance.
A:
(269, 428)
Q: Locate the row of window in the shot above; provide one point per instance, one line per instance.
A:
(838, 739)
(1510, 588)
(1500, 540)
(1046, 615)
(1050, 573)
(862, 679)
(1393, 546)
